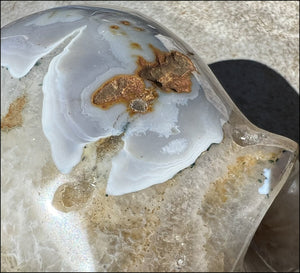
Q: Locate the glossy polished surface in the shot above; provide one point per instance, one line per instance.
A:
(162, 142)
(195, 221)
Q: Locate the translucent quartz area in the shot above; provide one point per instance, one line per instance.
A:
(201, 219)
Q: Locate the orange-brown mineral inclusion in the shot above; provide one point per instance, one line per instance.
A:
(135, 46)
(114, 27)
(14, 116)
(128, 89)
(170, 72)
(138, 28)
(126, 23)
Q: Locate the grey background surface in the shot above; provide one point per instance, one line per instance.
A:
(263, 31)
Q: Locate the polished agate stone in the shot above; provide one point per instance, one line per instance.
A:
(106, 44)
(122, 152)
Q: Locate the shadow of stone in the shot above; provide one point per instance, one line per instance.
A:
(262, 95)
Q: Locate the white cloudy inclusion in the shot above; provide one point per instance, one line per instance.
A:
(156, 145)
(265, 188)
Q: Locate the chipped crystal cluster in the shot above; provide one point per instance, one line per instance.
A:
(122, 152)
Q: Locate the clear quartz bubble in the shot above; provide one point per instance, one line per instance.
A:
(115, 138)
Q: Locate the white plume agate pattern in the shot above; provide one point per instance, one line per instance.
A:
(105, 43)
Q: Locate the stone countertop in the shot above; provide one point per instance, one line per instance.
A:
(267, 32)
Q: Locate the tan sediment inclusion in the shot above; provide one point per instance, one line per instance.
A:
(14, 116)
(240, 177)
(164, 227)
(79, 187)
(138, 29)
(126, 23)
(72, 196)
(114, 27)
(170, 72)
(225, 187)
(135, 46)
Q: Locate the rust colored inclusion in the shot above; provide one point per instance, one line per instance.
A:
(126, 23)
(114, 27)
(135, 46)
(138, 29)
(128, 89)
(14, 116)
(170, 72)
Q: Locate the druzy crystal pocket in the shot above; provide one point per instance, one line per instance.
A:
(118, 74)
